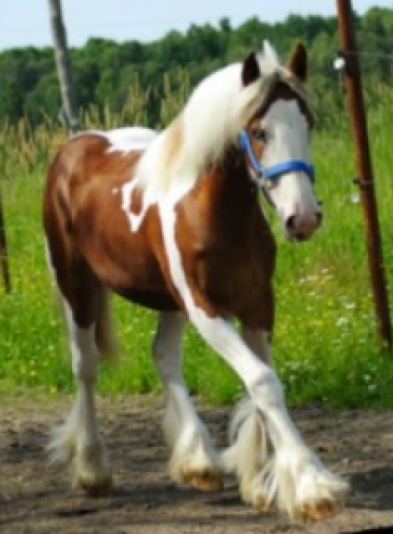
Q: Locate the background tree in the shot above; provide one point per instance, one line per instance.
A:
(141, 82)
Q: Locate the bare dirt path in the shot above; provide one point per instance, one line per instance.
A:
(35, 497)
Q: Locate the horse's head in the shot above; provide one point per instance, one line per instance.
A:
(276, 140)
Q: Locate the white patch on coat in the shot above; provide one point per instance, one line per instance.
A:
(124, 139)
(129, 139)
(134, 220)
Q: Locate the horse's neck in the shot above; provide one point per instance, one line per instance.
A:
(235, 190)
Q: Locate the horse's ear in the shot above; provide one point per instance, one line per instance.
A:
(250, 71)
(298, 64)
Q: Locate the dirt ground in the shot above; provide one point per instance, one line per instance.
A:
(35, 497)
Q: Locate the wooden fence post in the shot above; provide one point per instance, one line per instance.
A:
(365, 178)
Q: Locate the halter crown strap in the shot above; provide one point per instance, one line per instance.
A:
(274, 171)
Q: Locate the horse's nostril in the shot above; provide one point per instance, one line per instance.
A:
(294, 225)
(290, 224)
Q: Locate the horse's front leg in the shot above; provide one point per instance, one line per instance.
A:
(250, 448)
(294, 480)
(193, 460)
(284, 472)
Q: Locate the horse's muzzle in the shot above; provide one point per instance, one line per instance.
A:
(302, 227)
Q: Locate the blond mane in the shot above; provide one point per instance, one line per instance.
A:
(216, 111)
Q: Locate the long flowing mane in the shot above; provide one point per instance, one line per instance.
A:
(209, 123)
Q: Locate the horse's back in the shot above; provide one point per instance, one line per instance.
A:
(91, 154)
(105, 158)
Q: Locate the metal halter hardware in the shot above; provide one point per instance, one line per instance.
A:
(274, 171)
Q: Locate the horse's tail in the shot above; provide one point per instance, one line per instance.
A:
(105, 336)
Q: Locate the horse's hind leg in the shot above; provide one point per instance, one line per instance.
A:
(77, 442)
(194, 460)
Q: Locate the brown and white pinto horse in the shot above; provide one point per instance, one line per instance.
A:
(172, 221)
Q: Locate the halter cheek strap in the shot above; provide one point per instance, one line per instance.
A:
(274, 171)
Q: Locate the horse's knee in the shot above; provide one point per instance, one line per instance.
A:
(266, 390)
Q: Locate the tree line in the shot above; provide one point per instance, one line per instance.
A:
(147, 83)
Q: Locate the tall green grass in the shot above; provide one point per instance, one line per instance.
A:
(325, 344)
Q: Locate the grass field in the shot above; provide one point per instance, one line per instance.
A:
(325, 347)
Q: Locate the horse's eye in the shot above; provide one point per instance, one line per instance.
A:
(260, 135)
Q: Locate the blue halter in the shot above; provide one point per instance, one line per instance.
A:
(274, 171)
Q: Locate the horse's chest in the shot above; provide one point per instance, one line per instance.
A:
(233, 273)
(227, 249)
(238, 269)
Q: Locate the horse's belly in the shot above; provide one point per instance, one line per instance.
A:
(155, 300)
(131, 271)
(139, 280)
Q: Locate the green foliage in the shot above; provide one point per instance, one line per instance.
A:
(106, 72)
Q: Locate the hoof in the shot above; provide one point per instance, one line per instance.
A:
(94, 488)
(262, 505)
(208, 481)
(255, 497)
(321, 510)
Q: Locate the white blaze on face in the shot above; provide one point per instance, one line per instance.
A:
(288, 138)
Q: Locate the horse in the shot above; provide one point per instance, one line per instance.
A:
(173, 221)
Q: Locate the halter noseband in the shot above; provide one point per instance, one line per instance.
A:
(274, 171)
